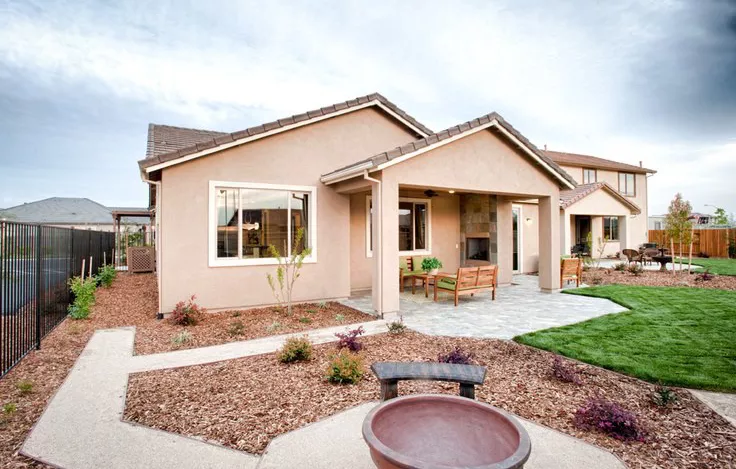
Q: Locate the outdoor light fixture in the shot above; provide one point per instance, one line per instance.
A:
(528, 220)
(451, 191)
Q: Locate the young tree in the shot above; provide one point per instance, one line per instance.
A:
(720, 217)
(677, 223)
(287, 271)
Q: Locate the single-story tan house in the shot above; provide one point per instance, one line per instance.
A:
(368, 183)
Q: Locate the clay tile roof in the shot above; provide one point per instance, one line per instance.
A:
(167, 143)
(570, 197)
(575, 159)
(453, 132)
(163, 139)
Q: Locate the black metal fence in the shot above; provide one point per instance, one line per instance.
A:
(36, 263)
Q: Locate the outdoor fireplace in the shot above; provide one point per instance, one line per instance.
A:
(477, 249)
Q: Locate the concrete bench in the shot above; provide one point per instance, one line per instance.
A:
(390, 373)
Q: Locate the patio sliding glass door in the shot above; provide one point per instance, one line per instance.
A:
(516, 226)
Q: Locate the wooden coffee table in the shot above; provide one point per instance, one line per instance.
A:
(427, 280)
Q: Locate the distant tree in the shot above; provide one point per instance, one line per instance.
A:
(677, 223)
(720, 217)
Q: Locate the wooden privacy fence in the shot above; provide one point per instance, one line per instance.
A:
(714, 243)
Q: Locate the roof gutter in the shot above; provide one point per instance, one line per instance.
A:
(347, 173)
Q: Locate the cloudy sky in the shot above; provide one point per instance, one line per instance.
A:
(627, 80)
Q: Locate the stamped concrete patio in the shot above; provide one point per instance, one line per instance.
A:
(519, 308)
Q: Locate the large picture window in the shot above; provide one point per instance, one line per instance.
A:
(627, 184)
(610, 228)
(414, 226)
(248, 218)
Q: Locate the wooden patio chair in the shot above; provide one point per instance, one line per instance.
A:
(468, 281)
(409, 267)
(571, 270)
(632, 255)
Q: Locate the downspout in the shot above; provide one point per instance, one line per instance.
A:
(377, 242)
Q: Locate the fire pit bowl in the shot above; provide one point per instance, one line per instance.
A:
(441, 431)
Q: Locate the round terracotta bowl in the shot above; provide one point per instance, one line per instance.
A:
(439, 431)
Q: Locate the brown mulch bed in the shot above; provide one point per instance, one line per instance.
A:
(227, 326)
(132, 300)
(657, 279)
(245, 403)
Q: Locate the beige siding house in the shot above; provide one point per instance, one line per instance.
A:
(368, 184)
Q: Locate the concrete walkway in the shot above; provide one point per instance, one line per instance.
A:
(81, 427)
(518, 309)
(337, 442)
(722, 403)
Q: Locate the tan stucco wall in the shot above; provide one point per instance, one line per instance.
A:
(637, 224)
(444, 229)
(529, 237)
(297, 157)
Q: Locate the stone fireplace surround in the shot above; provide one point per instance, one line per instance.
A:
(479, 220)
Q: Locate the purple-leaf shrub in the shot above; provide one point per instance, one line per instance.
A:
(610, 418)
(349, 339)
(187, 313)
(565, 371)
(457, 356)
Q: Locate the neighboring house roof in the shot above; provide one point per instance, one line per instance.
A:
(570, 197)
(63, 211)
(166, 154)
(422, 145)
(587, 161)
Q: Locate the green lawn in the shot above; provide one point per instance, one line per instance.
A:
(677, 336)
(716, 266)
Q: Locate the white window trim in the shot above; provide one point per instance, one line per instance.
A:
(618, 229)
(214, 261)
(419, 252)
(520, 231)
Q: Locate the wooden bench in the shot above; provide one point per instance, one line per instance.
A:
(390, 373)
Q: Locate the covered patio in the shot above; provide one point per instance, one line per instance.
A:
(464, 181)
(519, 308)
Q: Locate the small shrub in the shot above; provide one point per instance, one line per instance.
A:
(312, 311)
(236, 314)
(84, 296)
(619, 266)
(610, 418)
(703, 255)
(322, 305)
(596, 280)
(349, 339)
(24, 386)
(396, 327)
(273, 327)
(305, 320)
(664, 396)
(345, 368)
(635, 269)
(106, 275)
(565, 371)
(187, 313)
(457, 356)
(295, 349)
(236, 329)
(9, 408)
(705, 276)
(340, 317)
(181, 338)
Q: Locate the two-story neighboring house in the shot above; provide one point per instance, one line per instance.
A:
(621, 219)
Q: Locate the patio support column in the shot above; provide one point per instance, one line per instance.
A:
(505, 240)
(596, 233)
(623, 233)
(566, 233)
(385, 281)
(549, 243)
